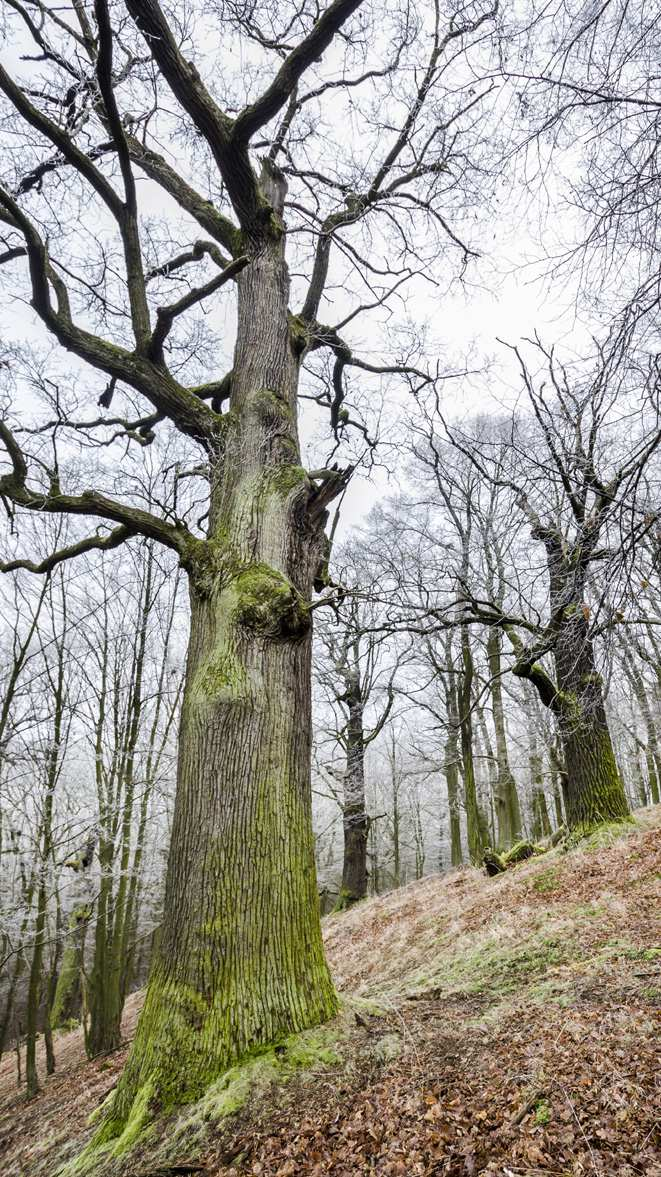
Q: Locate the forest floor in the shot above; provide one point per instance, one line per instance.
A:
(498, 1027)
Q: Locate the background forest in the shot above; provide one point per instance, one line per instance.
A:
(481, 422)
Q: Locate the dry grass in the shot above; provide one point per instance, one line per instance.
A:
(535, 988)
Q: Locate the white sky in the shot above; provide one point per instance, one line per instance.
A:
(496, 299)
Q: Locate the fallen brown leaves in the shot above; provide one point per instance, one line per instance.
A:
(450, 1107)
(556, 1077)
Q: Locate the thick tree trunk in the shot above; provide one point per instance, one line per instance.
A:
(594, 790)
(240, 961)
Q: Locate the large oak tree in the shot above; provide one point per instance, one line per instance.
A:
(133, 173)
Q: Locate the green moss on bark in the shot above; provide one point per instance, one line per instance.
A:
(268, 603)
(299, 334)
(599, 834)
(66, 983)
(227, 1094)
(345, 900)
(283, 479)
(222, 678)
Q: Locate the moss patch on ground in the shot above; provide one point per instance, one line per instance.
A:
(496, 966)
(600, 837)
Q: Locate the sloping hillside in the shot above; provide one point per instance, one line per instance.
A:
(491, 1026)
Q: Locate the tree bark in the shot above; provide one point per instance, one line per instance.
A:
(53, 757)
(541, 824)
(240, 961)
(355, 819)
(508, 811)
(594, 790)
(559, 779)
(67, 997)
(451, 762)
(476, 823)
(653, 753)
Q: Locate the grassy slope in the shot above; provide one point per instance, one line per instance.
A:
(494, 1026)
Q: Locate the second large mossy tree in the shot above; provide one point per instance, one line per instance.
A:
(593, 509)
(156, 156)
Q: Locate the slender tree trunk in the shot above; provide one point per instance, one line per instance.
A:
(653, 753)
(541, 824)
(107, 989)
(33, 1003)
(559, 779)
(98, 1021)
(19, 960)
(639, 779)
(476, 824)
(240, 961)
(355, 820)
(451, 771)
(67, 998)
(17, 1052)
(486, 781)
(418, 838)
(155, 751)
(557, 802)
(101, 1025)
(396, 847)
(484, 775)
(375, 873)
(41, 922)
(51, 988)
(508, 810)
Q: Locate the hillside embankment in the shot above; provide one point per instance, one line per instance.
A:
(504, 1026)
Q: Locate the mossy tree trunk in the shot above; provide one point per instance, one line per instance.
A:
(240, 961)
(67, 997)
(594, 789)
